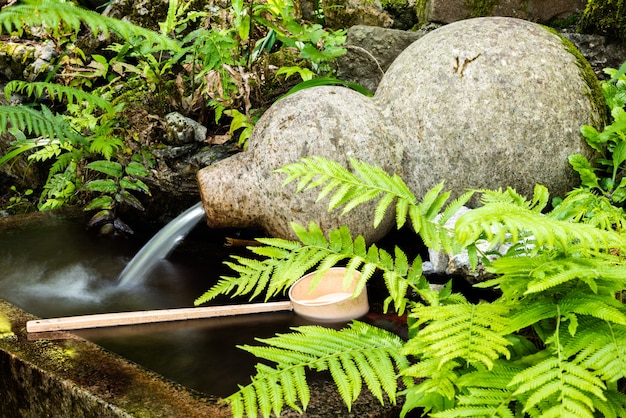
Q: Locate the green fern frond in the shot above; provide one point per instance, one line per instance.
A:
(518, 276)
(614, 406)
(598, 345)
(347, 189)
(462, 331)
(537, 204)
(105, 145)
(484, 393)
(54, 14)
(559, 388)
(287, 261)
(582, 205)
(58, 92)
(580, 303)
(502, 222)
(371, 182)
(63, 161)
(35, 123)
(434, 378)
(352, 355)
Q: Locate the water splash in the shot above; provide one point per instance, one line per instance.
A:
(160, 246)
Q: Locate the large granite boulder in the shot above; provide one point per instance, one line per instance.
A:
(489, 103)
(481, 103)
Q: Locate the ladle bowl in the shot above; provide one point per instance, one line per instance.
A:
(331, 300)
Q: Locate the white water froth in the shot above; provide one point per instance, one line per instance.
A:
(71, 284)
(160, 246)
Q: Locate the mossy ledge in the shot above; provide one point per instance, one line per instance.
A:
(71, 377)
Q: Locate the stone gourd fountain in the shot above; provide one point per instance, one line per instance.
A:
(483, 103)
(480, 103)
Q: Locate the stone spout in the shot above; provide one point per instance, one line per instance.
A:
(225, 191)
(334, 122)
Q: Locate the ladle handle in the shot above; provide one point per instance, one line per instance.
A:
(145, 317)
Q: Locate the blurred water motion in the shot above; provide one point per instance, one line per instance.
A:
(59, 269)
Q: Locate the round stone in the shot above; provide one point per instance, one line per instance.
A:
(490, 103)
(333, 122)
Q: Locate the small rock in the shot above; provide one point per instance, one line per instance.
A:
(370, 52)
(459, 264)
(183, 130)
(43, 55)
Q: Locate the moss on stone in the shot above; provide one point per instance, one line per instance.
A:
(480, 8)
(394, 4)
(590, 78)
(607, 17)
(5, 326)
(420, 10)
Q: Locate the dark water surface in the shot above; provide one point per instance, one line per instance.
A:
(56, 268)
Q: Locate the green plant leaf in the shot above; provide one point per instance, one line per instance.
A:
(110, 168)
(58, 92)
(103, 186)
(54, 14)
(353, 355)
(102, 202)
(135, 169)
(587, 173)
(127, 198)
(327, 81)
(619, 73)
(304, 73)
(619, 156)
(134, 184)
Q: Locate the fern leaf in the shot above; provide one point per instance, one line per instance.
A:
(558, 387)
(582, 205)
(517, 276)
(598, 345)
(71, 94)
(53, 14)
(560, 270)
(533, 312)
(383, 206)
(601, 307)
(35, 123)
(347, 189)
(463, 330)
(484, 393)
(287, 261)
(434, 378)
(614, 406)
(346, 353)
(495, 220)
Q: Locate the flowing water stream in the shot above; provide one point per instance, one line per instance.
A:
(160, 245)
(55, 268)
